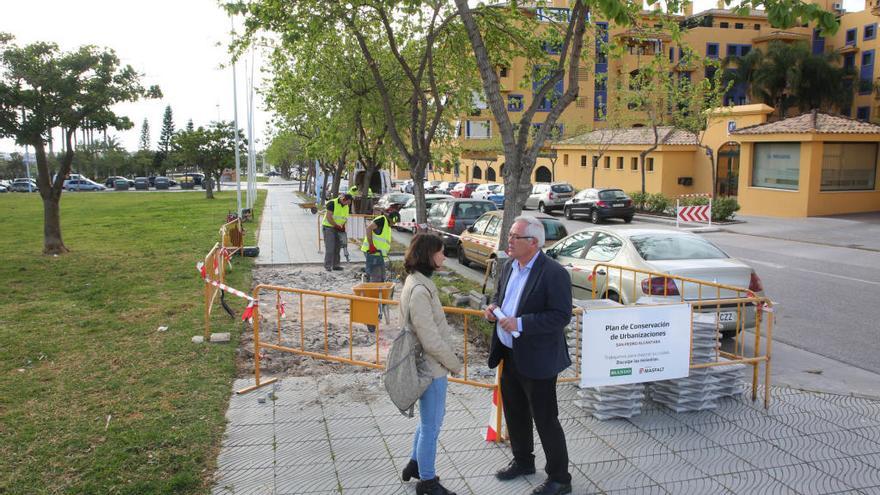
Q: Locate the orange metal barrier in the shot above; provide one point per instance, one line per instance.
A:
(232, 236)
(740, 305)
(215, 266)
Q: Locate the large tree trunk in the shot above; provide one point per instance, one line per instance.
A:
(52, 243)
(209, 186)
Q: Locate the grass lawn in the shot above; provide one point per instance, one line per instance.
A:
(93, 399)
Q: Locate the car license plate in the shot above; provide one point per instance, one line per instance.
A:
(727, 316)
(618, 205)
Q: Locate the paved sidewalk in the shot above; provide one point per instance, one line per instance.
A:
(340, 434)
(289, 234)
(859, 231)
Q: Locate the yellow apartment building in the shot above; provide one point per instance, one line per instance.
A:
(678, 166)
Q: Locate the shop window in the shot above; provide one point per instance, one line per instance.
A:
(777, 165)
(849, 166)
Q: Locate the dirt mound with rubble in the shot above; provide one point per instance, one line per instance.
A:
(316, 324)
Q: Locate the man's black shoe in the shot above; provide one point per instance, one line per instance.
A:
(338, 268)
(513, 470)
(550, 487)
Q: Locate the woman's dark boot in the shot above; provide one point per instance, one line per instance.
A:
(431, 487)
(411, 470)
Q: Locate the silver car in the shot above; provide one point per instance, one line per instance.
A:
(547, 197)
(661, 251)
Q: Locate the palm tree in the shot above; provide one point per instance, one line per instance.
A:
(790, 75)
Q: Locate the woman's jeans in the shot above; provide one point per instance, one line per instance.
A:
(432, 407)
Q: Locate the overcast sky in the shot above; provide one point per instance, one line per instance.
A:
(172, 43)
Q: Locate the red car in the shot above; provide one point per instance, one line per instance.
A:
(463, 190)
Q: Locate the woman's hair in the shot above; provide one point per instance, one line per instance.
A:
(420, 253)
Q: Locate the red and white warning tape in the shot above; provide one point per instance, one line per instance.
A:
(249, 311)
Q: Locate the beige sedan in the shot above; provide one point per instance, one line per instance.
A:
(661, 251)
(479, 242)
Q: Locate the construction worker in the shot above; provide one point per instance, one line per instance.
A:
(354, 191)
(377, 242)
(333, 228)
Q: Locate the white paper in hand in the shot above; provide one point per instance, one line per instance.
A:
(500, 314)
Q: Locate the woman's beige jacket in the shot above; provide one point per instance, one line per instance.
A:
(428, 321)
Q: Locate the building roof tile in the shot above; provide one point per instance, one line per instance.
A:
(636, 135)
(812, 122)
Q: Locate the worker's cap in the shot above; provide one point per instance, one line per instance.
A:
(347, 196)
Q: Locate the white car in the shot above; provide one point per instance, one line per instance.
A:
(483, 191)
(82, 185)
(660, 251)
(408, 212)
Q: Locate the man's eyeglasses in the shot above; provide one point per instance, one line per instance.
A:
(514, 237)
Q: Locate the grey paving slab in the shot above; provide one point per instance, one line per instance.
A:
(325, 435)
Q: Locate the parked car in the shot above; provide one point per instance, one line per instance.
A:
(111, 181)
(162, 183)
(198, 177)
(464, 189)
(483, 191)
(661, 251)
(391, 198)
(408, 212)
(397, 185)
(497, 197)
(431, 186)
(3, 188)
(23, 185)
(547, 197)
(452, 216)
(599, 204)
(142, 183)
(479, 242)
(122, 184)
(408, 186)
(271, 173)
(82, 185)
(446, 187)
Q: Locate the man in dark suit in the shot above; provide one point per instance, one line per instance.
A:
(534, 295)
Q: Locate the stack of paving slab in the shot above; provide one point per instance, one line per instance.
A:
(703, 388)
(617, 401)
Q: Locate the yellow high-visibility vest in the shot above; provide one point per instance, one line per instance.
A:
(340, 213)
(382, 240)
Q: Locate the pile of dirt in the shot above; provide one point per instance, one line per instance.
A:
(321, 325)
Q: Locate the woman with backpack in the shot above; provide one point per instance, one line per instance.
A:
(421, 310)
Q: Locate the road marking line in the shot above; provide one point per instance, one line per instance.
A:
(782, 267)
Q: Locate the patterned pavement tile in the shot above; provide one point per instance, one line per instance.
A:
(642, 490)
(358, 449)
(872, 434)
(239, 435)
(681, 438)
(251, 415)
(762, 455)
(396, 489)
(366, 473)
(806, 401)
(849, 442)
(462, 439)
(807, 423)
(591, 449)
(300, 453)
(846, 418)
(667, 468)
(869, 408)
(807, 448)
(353, 410)
(306, 479)
(655, 419)
(479, 463)
(463, 419)
(852, 471)
(392, 425)
(752, 482)
(247, 481)
(615, 475)
(700, 486)
(767, 428)
(303, 431)
(609, 427)
(636, 445)
(400, 444)
(724, 433)
(715, 461)
(247, 457)
(805, 478)
(360, 427)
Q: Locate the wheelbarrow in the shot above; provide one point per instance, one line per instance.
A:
(311, 206)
